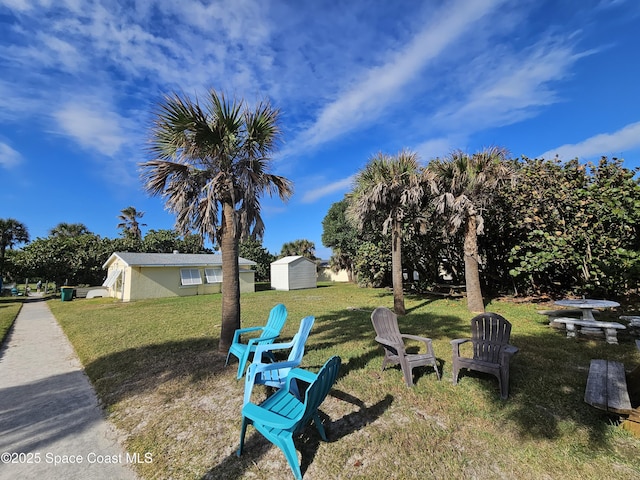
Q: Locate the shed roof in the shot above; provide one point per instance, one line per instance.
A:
(171, 259)
(291, 259)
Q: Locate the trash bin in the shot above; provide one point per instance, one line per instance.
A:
(66, 294)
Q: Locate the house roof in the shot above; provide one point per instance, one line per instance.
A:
(291, 259)
(171, 259)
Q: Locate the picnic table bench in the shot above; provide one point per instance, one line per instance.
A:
(607, 387)
(587, 326)
(633, 320)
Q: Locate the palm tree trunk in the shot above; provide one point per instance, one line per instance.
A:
(230, 280)
(396, 268)
(471, 272)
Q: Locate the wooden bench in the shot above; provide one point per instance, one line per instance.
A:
(607, 387)
(610, 328)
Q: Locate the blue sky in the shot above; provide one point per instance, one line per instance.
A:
(79, 78)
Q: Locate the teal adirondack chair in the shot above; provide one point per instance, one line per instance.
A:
(274, 374)
(269, 333)
(283, 414)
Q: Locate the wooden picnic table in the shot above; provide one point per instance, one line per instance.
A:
(449, 290)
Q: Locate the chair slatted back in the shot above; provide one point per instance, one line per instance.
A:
(490, 332)
(300, 338)
(319, 389)
(385, 323)
(275, 322)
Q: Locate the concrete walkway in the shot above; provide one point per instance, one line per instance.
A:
(51, 426)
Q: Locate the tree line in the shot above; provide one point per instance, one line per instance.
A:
(528, 226)
(72, 254)
(498, 224)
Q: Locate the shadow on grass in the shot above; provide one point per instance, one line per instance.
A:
(548, 380)
(354, 326)
(308, 441)
(137, 370)
(548, 375)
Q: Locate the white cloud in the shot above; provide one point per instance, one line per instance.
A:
(497, 89)
(511, 86)
(93, 125)
(604, 144)
(338, 186)
(382, 85)
(428, 68)
(437, 147)
(19, 5)
(9, 158)
(244, 23)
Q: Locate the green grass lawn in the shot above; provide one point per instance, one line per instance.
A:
(9, 309)
(157, 371)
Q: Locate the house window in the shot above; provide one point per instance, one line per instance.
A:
(213, 275)
(190, 276)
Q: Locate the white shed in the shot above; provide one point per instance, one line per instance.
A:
(292, 273)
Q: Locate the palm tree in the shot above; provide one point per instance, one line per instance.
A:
(211, 167)
(303, 247)
(129, 222)
(466, 186)
(387, 194)
(12, 232)
(69, 230)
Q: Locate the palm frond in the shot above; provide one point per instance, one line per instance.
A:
(466, 183)
(204, 157)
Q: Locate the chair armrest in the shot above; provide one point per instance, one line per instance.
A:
(415, 337)
(240, 331)
(267, 417)
(265, 367)
(427, 341)
(455, 344)
(260, 349)
(509, 351)
(258, 340)
(301, 374)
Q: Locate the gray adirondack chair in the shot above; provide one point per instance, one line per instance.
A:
(388, 335)
(492, 353)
